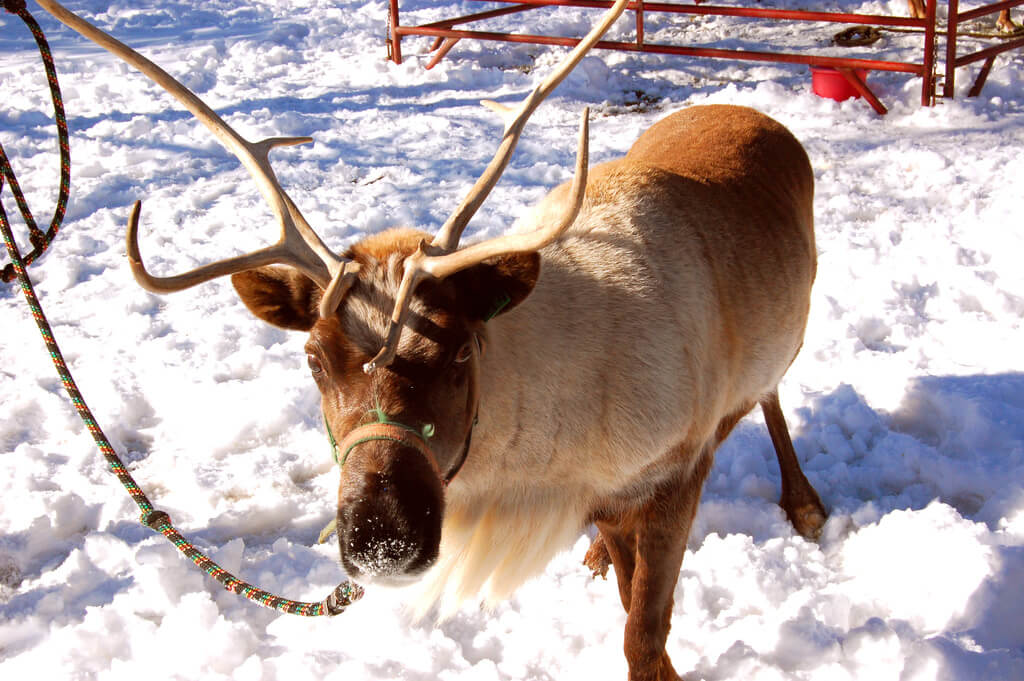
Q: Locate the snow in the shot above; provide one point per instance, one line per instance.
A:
(906, 403)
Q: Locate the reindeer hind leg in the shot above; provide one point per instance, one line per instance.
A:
(799, 500)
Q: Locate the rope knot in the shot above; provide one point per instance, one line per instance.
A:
(154, 519)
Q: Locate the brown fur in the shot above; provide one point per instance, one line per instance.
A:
(627, 352)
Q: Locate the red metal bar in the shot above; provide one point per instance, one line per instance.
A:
(750, 12)
(480, 16)
(988, 9)
(640, 22)
(928, 67)
(952, 27)
(445, 47)
(979, 82)
(989, 52)
(861, 87)
(396, 39)
(657, 48)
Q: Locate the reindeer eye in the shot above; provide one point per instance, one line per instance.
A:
(315, 366)
(465, 352)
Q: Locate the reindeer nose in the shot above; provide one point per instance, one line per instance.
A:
(380, 547)
(389, 521)
(382, 540)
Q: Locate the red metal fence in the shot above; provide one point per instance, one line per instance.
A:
(446, 35)
(954, 20)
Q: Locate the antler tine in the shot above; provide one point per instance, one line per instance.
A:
(421, 265)
(437, 259)
(298, 246)
(515, 119)
(441, 266)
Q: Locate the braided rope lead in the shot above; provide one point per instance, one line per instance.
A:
(40, 240)
(344, 595)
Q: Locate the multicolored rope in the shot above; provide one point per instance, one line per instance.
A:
(343, 596)
(40, 240)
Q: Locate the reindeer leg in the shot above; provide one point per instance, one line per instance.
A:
(801, 503)
(1006, 25)
(618, 539)
(646, 547)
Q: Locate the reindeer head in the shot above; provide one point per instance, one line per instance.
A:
(400, 407)
(402, 431)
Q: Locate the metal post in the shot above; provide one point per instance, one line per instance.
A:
(952, 21)
(395, 44)
(928, 66)
(640, 24)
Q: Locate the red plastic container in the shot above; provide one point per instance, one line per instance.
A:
(827, 82)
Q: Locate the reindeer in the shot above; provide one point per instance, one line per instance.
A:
(1004, 23)
(489, 402)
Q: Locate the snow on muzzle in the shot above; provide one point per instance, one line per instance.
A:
(390, 506)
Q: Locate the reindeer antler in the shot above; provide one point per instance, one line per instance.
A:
(299, 245)
(439, 258)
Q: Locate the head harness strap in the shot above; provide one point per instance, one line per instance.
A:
(391, 431)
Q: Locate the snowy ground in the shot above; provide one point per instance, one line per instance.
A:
(906, 404)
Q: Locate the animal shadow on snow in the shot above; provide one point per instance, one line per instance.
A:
(958, 439)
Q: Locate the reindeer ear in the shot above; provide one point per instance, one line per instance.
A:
(281, 296)
(497, 285)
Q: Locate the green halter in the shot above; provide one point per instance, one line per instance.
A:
(424, 434)
(385, 429)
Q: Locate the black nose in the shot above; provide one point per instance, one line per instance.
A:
(389, 524)
(382, 544)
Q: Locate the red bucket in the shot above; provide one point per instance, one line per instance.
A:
(828, 82)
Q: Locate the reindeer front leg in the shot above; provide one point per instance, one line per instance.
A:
(646, 546)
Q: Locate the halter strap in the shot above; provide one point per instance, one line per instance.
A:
(389, 431)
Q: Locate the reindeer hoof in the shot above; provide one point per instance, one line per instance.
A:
(597, 558)
(1009, 29)
(807, 519)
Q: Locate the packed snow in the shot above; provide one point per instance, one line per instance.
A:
(906, 403)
